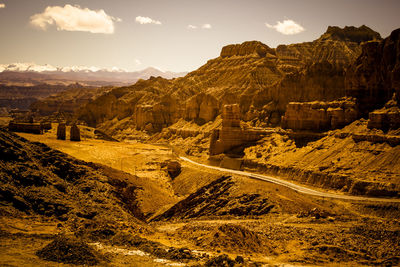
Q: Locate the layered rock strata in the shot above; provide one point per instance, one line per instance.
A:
(386, 118)
(231, 134)
(375, 75)
(262, 80)
(320, 116)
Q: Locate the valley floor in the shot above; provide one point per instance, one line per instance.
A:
(203, 213)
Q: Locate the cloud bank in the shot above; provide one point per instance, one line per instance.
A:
(194, 27)
(147, 20)
(74, 18)
(287, 27)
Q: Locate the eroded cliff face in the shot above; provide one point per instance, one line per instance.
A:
(262, 80)
(372, 81)
(375, 75)
(320, 116)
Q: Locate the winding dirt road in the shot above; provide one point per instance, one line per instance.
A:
(295, 187)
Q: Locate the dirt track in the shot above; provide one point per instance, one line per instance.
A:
(296, 187)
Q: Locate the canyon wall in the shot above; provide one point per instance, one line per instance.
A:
(320, 116)
(372, 81)
(375, 75)
(262, 80)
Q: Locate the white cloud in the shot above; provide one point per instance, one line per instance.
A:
(74, 18)
(138, 62)
(287, 27)
(191, 27)
(2, 5)
(147, 20)
(206, 26)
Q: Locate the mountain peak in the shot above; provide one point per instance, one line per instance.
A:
(350, 33)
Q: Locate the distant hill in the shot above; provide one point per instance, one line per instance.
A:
(32, 74)
(23, 84)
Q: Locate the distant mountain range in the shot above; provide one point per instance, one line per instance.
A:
(33, 74)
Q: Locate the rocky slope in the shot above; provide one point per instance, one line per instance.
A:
(371, 82)
(375, 75)
(38, 180)
(354, 159)
(259, 78)
(59, 209)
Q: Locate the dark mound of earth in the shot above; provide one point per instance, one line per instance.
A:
(220, 261)
(36, 180)
(218, 199)
(70, 250)
(235, 238)
(154, 248)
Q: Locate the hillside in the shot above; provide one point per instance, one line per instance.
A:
(23, 84)
(58, 208)
(261, 79)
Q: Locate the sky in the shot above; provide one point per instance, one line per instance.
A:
(174, 35)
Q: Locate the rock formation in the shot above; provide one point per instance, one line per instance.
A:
(371, 81)
(350, 33)
(25, 127)
(320, 116)
(254, 48)
(201, 107)
(75, 133)
(61, 131)
(154, 118)
(46, 125)
(321, 81)
(375, 75)
(387, 117)
(262, 80)
(232, 134)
